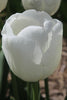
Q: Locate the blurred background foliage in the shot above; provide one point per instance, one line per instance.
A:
(17, 86)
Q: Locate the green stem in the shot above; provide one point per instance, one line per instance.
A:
(46, 89)
(21, 87)
(14, 87)
(35, 91)
(66, 95)
(28, 91)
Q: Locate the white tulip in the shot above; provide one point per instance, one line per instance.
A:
(50, 6)
(32, 44)
(3, 4)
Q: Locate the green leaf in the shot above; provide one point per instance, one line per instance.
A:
(4, 85)
(1, 68)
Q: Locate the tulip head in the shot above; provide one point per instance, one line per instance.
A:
(3, 4)
(32, 44)
(50, 6)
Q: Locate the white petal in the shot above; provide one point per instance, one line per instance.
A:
(37, 34)
(52, 57)
(23, 22)
(37, 54)
(7, 30)
(58, 27)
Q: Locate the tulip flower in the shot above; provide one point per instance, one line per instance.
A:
(3, 4)
(50, 6)
(32, 44)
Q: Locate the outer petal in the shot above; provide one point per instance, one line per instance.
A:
(24, 52)
(50, 6)
(3, 4)
(52, 57)
(19, 55)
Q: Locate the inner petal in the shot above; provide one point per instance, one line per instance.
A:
(19, 24)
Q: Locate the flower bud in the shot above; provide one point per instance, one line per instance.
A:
(50, 6)
(32, 44)
(3, 4)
